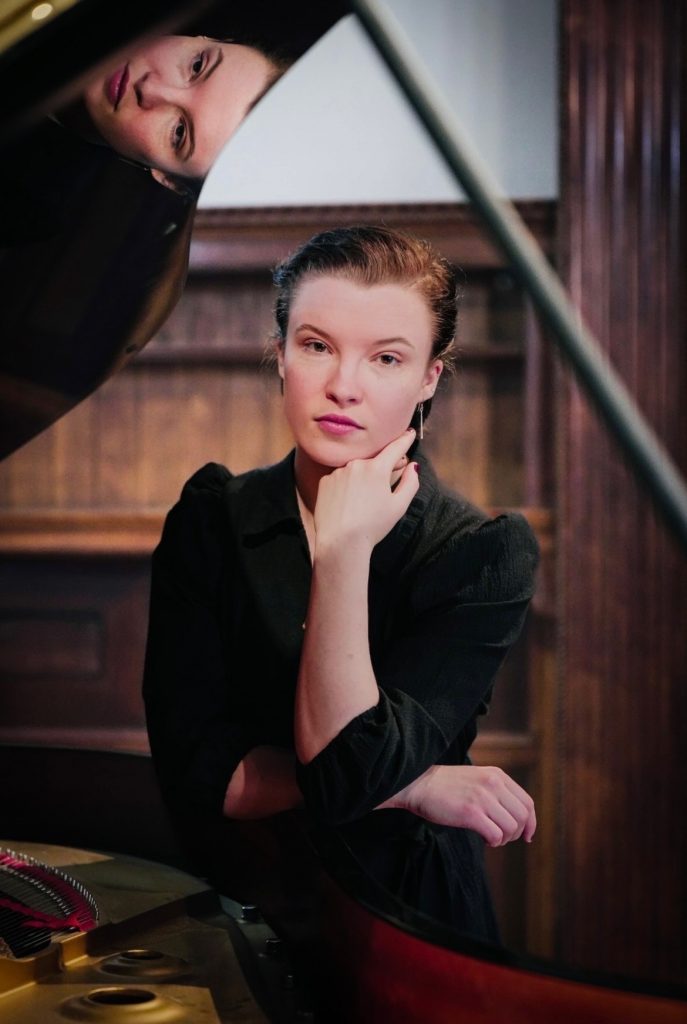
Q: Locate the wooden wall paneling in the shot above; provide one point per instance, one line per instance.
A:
(474, 434)
(539, 493)
(120, 437)
(244, 239)
(457, 436)
(27, 478)
(79, 435)
(72, 635)
(540, 414)
(623, 886)
(505, 413)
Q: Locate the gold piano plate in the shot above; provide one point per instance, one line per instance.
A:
(161, 953)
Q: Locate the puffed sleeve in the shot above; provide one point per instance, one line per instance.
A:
(467, 607)
(195, 742)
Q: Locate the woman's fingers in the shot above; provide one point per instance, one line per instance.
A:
(406, 488)
(514, 799)
(531, 826)
(524, 804)
(356, 501)
(390, 455)
(483, 825)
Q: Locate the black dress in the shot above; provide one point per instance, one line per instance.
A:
(448, 593)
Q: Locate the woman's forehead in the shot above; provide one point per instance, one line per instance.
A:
(344, 290)
(341, 305)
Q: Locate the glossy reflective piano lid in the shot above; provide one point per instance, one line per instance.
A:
(93, 251)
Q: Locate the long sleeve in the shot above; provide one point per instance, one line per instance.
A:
(195, 740)
(466, 608)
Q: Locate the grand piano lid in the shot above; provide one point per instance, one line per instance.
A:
(93, 251)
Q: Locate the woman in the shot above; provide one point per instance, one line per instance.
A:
(325, 632)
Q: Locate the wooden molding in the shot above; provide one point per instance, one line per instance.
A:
(77, 532)
(133, 534)
(506, 749)
(132, 740)
(243, 240)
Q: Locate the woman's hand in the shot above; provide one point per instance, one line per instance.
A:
(485, 800)
(356, 505)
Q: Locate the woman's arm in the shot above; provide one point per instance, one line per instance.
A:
(485, 800)
(337, 684)
(263, 784)
(355, 509)
(465, 609)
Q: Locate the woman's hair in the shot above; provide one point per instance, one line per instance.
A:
(376, 255)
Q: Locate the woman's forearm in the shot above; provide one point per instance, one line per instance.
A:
(335, 680)
(263, 784)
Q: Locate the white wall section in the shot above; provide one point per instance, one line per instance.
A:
(336, 128)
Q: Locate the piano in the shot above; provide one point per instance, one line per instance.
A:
(93, 256)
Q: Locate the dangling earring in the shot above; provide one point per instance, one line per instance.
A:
(422, 426)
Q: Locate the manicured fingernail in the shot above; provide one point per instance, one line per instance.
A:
(417, 468)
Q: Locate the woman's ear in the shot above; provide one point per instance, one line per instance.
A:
(429, 385)
(168, 181)
(279, 349)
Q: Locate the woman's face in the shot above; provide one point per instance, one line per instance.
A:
(355, 363)
(176, 101)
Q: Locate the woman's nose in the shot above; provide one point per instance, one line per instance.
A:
(151, 91)
(343, 385)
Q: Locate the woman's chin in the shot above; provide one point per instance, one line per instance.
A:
(335, 454)
(333, 457)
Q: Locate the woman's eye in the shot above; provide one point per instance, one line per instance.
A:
(178, 134)
(315, 346)
(197, 65)
(387, 359)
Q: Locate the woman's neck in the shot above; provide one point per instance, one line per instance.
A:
(308, 475)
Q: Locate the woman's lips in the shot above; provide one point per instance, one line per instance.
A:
(337, 424)
(115, 87)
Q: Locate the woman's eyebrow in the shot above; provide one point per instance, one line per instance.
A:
(373, 344)
(218, 61)
(394, 341)
(313, 330)
(191, 140)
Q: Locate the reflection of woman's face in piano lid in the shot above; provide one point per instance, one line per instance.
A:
(176, 101)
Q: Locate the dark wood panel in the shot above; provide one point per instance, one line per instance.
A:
(75, 632)
(50, 644)
(624, 649)
(92, 799)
